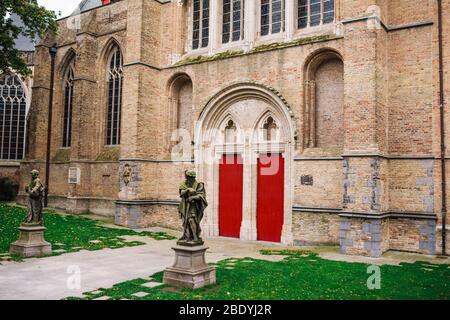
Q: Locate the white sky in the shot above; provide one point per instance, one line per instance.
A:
(66, 7)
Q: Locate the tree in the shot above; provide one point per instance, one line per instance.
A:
(36, 21)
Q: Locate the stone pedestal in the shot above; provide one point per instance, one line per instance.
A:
(31, 242)
(190, 269)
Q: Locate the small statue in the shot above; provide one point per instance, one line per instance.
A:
(35, 191)
(192, 206)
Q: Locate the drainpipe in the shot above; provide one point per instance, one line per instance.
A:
(441, 107)
(52, 52)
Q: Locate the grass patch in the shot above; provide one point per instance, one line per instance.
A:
(298, 277)
(69, 233)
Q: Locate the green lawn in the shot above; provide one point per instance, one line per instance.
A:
(67, 232)
(299, 276)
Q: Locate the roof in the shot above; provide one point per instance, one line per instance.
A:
(88, 4)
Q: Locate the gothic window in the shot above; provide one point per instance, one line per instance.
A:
(269, 128)
(115, 78)
(233, 20)
(68, 99)
(313, 13)
(200, 24)
(230, 132)
(12, 118)
(272, 16)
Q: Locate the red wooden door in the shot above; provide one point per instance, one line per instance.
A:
(270, 200)
(230, 195)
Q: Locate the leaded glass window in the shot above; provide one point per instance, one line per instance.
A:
(200, 24)
(68, 99)
(233, 20)
(115, 77)
(313, 13)
(12, 118)
(272, 16)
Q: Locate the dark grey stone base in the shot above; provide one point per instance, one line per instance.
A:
(31, 242)
(190, 269)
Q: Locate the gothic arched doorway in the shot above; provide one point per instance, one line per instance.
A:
(244, 149)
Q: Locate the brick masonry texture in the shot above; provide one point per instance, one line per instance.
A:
(373, 117)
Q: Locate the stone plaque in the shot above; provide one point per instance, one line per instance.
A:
(307, 180)
(74, 175)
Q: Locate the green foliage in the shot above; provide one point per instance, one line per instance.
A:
(70, 233)
(299, 277)
(37, 21)
(8, 189)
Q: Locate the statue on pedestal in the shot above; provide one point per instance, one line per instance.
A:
(191, 209)
(190, 269)
(35, 191)
(31, 242)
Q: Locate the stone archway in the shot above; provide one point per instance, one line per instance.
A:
(250, 110)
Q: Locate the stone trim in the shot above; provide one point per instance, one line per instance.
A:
(9, 163)
(135, 63)
(318, 158)
(386, 27)
(147, 202)
(389, 215)
(298, 209)
(154, 160)
(395, 157)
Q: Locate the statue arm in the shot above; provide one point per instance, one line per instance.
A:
(38, 187)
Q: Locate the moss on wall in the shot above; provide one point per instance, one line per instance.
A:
(108, 154)
(62, 155)
(261, 48)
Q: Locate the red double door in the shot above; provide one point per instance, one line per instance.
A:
(270, 196)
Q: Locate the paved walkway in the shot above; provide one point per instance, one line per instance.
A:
(47, 278)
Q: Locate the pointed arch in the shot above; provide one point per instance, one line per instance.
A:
(13, 108)
(68, 59)
(114, 75)
(105, 54)
(67, 84)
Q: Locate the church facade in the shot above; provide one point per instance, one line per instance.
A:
(310, 121)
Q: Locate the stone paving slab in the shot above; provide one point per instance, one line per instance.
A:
(152, 284)
(140, 294)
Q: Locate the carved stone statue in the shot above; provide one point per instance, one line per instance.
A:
(192, 206)
(35, 191)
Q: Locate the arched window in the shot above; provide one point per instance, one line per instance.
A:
(272, 16)
(230, 132)
(233, 20)
(12, 118)
(68, 98)
(270, 128)
(115, 77)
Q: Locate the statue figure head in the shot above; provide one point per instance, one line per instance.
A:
(190, 176)
(34, 174)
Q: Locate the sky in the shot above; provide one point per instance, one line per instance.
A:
(65, 6)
